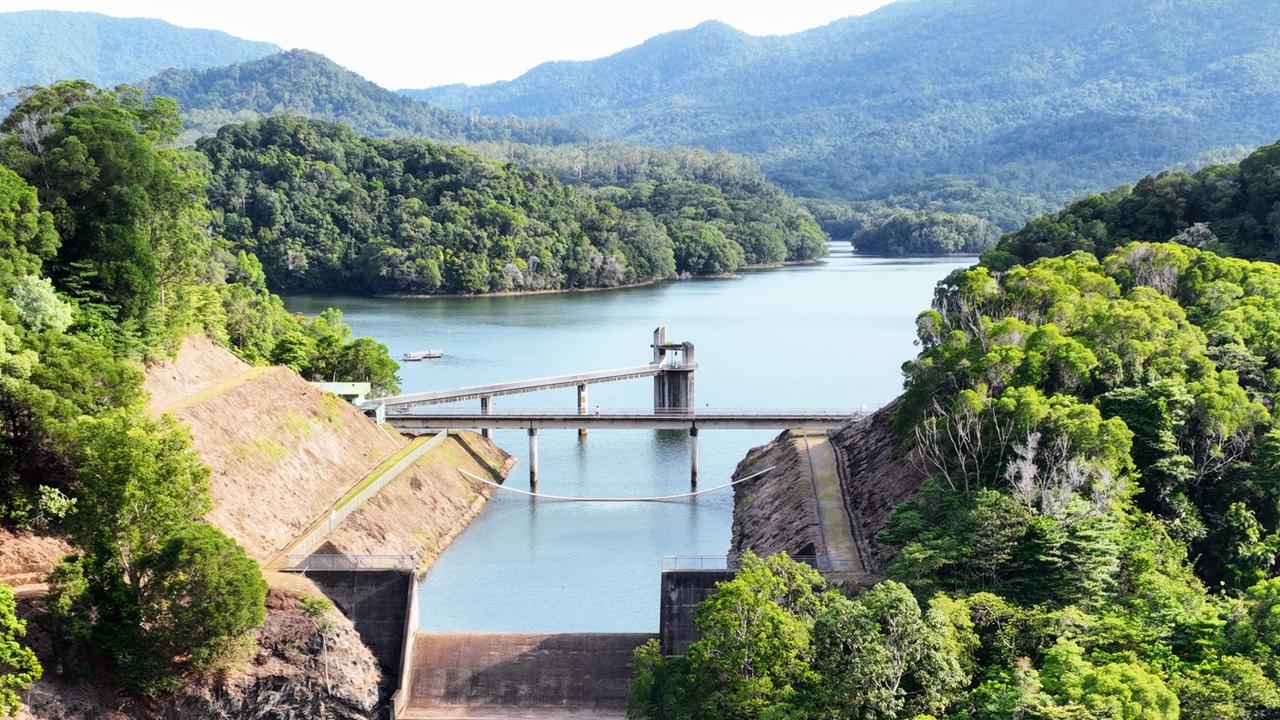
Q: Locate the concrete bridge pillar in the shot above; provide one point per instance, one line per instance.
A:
(485, 403)
(582, 407)
(693, 457)
(533, 459)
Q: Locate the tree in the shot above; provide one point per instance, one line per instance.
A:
(366, 360)
(882, 658)
(18, 664)
(127, 207)
(205, 595)
(753, 652)
(27, 236)
(140, 483)
(156, 590)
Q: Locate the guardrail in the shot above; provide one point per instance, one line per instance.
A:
(304, 563)
(674, 563)
(633, 412)
(314, 535)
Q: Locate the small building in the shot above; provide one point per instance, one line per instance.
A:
(353, 392)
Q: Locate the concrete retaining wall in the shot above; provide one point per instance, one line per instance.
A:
(377, 602)
(400, 698)
(682, 592)
(462, 674)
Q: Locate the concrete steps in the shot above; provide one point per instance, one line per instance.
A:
(512, 676)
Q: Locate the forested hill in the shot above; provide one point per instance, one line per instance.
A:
(1002, 108)
(39, 47)
(309, 84)
(1231, 209)
(327, 209)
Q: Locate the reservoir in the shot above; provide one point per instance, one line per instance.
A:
(832, 335)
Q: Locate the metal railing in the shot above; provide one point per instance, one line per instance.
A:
(304, 563)
(672, 563)
(634, 412)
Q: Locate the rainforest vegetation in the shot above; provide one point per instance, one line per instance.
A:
(326, 209)
(106, 260)
(1099, 532)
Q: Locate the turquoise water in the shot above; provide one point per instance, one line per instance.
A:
(827, 336)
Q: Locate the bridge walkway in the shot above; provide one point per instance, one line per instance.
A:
(515, 387)
(622, 419)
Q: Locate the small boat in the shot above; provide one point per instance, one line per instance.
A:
(421, 355)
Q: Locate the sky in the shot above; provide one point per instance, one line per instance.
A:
(436, 42)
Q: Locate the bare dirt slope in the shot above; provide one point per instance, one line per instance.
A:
(26, 559)
(423, 510)
(280, 450)
(282, 453)
(200, 364)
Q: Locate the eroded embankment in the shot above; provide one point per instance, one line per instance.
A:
(812, 506)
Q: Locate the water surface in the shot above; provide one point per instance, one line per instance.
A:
(826, 336)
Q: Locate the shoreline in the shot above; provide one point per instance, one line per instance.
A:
(554, 291)
(737, 274)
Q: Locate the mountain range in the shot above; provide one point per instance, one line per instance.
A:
(310, 85)
(998, 107)
(1002, 109)
(40, 46)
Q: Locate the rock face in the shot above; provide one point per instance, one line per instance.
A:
(776, 512)
(877, 476)
(295, 672)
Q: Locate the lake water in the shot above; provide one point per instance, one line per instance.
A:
(827, 336)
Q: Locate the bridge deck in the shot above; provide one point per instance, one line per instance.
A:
(621, 419)
(514, 387)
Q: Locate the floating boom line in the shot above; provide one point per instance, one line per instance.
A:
(654, 498)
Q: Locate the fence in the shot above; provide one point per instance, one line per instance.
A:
(305, 563)
(316, 533)
(674, 563)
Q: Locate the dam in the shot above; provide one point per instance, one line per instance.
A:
(835, 336)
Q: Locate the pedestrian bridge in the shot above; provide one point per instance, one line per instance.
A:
(516, 387)
(672, 369)
(418, 422)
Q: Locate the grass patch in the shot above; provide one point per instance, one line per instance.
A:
(297, 425)
(381, 470)
(331, 409)
(260, 450)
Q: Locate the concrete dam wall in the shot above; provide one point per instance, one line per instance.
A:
(480, 675)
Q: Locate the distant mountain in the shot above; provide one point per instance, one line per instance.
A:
(1002, 108)
(41, 46)
(308, 84)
